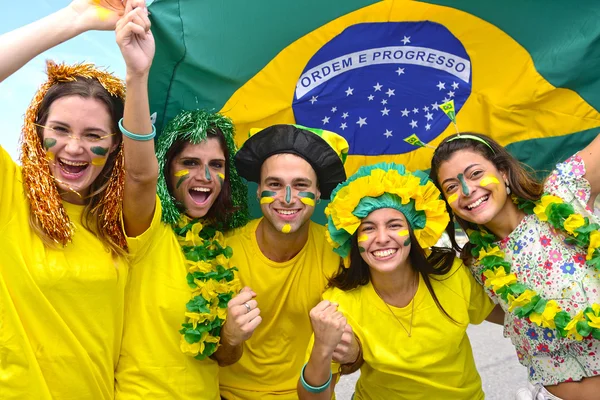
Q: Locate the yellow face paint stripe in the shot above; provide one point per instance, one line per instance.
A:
(286, 228)
(99, 161)
(307, 201)
(182, 172)
(452, 198)
(266, 200)
(220, 175)
(403, 232)
(362, 238)
(50, 155)
(488, 180)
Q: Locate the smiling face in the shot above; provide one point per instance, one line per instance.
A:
(77, 138)
(474, 187)
(196, 176)
(383, 239)
(287, 191)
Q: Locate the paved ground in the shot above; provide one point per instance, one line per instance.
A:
(496, 361)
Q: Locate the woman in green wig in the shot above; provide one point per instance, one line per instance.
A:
(185, 314)
(408, 305)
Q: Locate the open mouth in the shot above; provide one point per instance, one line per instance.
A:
(72, 169)
(386, 253)
(286, 213)
(477, 203)
(199, 194)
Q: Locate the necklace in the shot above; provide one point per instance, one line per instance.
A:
(520, 299)
(412, 311)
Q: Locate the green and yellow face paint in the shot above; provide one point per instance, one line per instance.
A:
(463, 184)
(182, 175)
(402, 233)
(362, 238)
(221, 177)
(267, 197)
(286, 228)
(207, 174)
(48, 144)
(288, 194)
(99, 150)
(488, 180)
(99, 161)
(307, 198)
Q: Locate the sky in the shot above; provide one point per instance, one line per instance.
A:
(17, 91)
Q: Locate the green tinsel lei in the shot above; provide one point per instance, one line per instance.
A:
(192, 126)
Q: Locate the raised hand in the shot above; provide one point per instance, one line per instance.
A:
(243, 316)
(135, 38)
(347, 350)
(328, 325)
(97, 14)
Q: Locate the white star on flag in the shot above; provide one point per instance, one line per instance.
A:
(400, 71)
(405, 112)
(435, 106)
(441, 85)
(377, 87)
(361, 121)
(333, 109)
(385, 111)
(413, 123)
(429, 116)
(345, 115)
(343, 126)
(349, 91)
(387, 133)
(325, 120)
(455, 85)
(406, 40)
(384, 102)
(427, 127)
(415, 110)
(371, 97)
(451, 94)
(446, 100)
(425, 108)
(313, 99)
(390, 92)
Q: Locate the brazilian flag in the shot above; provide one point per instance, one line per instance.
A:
(525, 72)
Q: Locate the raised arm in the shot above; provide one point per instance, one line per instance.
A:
(25, 43)
(316, 380)
(141, 167)
(591, 158)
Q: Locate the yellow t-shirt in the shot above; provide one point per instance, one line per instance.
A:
(152, 366)
(436, 362)
(61, 309)
(286, 292)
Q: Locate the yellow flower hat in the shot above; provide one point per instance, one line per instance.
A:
(385, 185)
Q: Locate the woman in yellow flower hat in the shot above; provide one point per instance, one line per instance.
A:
(407, 305)
(534, 246)
(185, 314)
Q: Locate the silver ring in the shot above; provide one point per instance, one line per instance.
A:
(247, 307)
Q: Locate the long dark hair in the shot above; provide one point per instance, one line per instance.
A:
(86, 88)
(222, 208)
(439, 263)
(521, 178)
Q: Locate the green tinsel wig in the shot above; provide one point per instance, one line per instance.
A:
(192, 126)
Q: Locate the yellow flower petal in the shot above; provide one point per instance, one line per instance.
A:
(494, 251)
(545, 201)
(522, 300)
(573, 222)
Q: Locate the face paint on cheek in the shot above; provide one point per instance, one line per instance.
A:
(463, 184)
(288, 194)
(221, 177)
(267, 197)
(286, 228)
(407, 241)
(182, 175)
(207, 173)
(48, 143)
(99, 151)
(99, 161)
(362, 238)
(50, 156)
(452, 198)
(307, 198)
(488, 180)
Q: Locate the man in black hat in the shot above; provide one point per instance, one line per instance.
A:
(283, 257)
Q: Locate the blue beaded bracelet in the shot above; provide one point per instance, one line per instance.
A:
(135, 136)
(313, 389)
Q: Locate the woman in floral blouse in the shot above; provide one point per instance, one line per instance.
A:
(534, 246)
